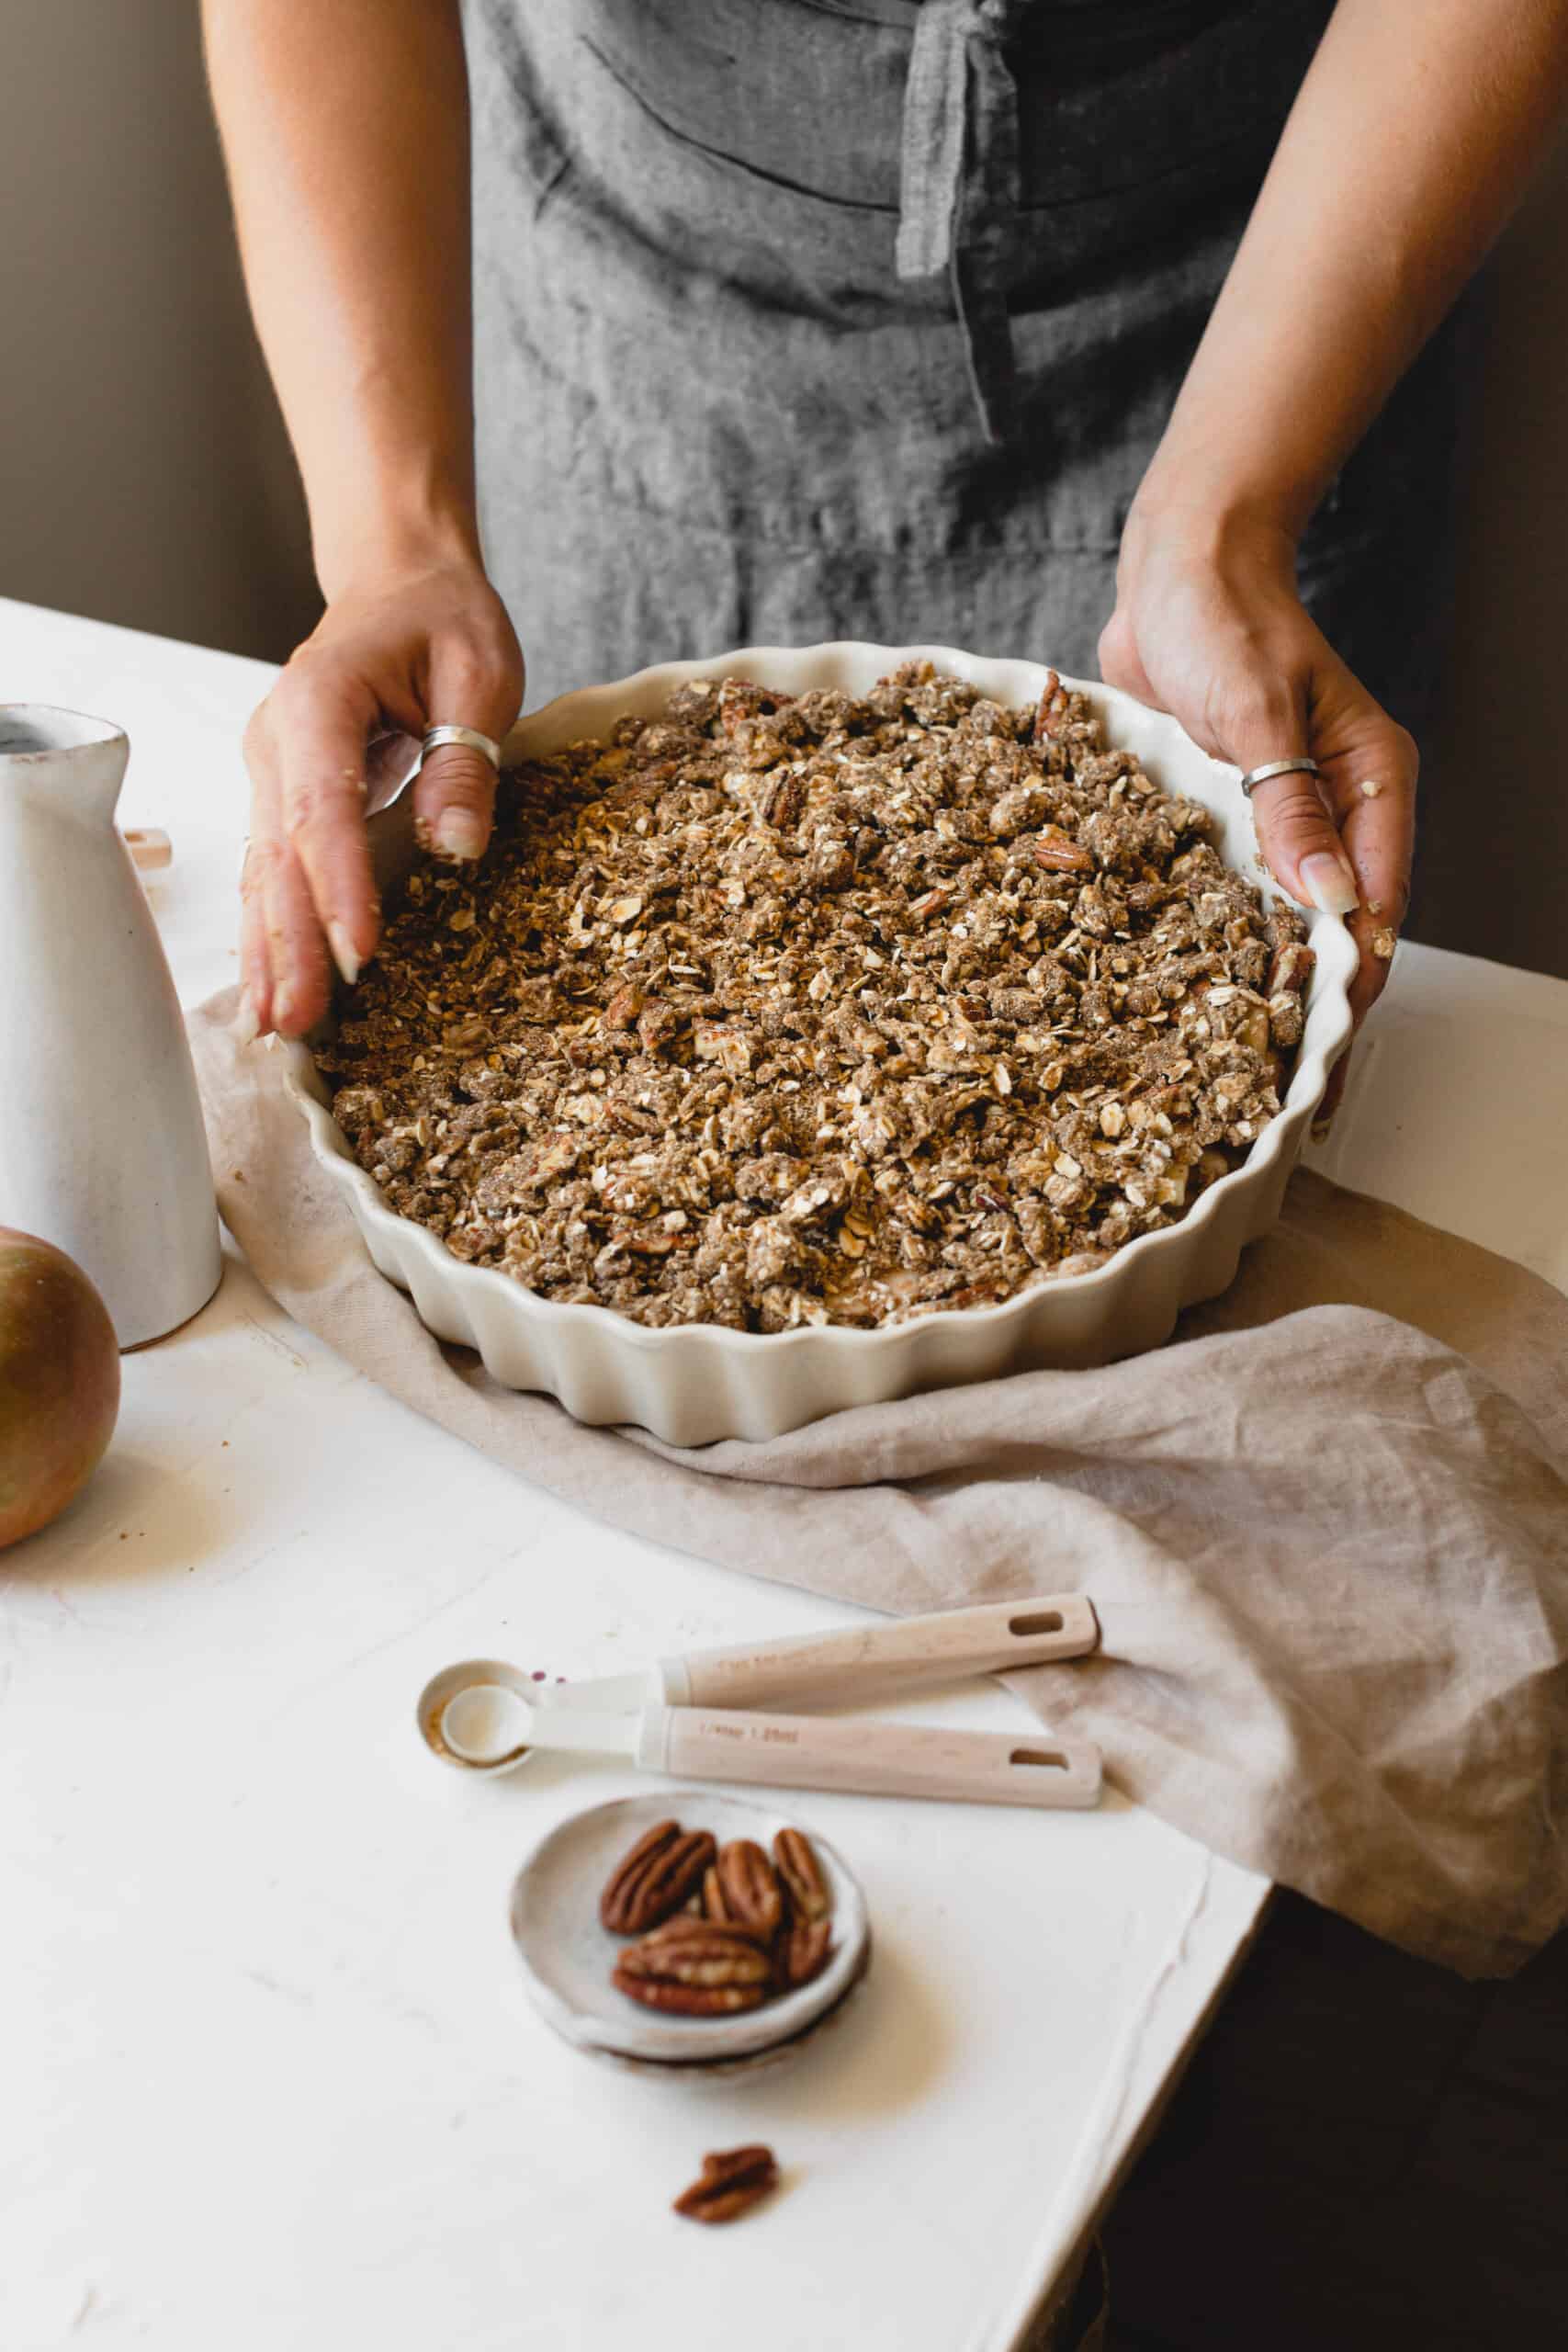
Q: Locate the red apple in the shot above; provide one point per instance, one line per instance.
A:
(59, 1382)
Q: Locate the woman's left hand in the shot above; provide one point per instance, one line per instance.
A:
(1209, 626)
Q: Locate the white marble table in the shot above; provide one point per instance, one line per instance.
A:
(269, 2078)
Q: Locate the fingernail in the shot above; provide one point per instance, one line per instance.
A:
(343, 955)
(247, 1021)
(1322, 1129)
(282, 1009)
(457, 833)
(1329, 884)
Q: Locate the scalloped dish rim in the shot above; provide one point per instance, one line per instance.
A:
(588, 710)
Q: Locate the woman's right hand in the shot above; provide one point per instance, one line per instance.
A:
(430, 645)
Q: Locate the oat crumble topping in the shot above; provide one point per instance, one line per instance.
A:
(828, 1009)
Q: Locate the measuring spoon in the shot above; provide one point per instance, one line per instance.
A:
(493, 1723)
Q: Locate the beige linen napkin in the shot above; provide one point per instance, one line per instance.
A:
(1325, 1529)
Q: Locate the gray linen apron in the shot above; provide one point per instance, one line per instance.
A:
(817, 318)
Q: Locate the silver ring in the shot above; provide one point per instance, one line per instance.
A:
(1278, 767)
(469, 736)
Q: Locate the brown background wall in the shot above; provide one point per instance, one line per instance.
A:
(1494, 875)
(144, 477)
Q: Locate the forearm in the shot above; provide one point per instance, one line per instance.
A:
(345, 127)
(1407, 149)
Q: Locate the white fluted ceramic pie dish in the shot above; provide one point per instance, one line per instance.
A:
(699, 1381)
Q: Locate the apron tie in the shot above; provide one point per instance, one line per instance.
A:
(959, 181)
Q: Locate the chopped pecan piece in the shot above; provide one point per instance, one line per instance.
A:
(929, 903)
(656, 1024)
(1052, 707)
(1290, 969)
(733, 2180)
(1060, 853)
(796, 1858)
(655, 1879)
(623, 1009)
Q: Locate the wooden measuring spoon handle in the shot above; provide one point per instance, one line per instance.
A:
(832, 1669)
(868, 1758)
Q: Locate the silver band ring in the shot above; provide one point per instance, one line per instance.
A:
(469, 736)
(1274, 767)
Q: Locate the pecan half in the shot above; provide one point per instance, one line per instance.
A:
(797, 1865)
(714, 1905)
(733, 2180)
(660, 1871)
(1051, 709)
(696, 1968)
(803, 1952)
(749, 1888)
(690, 1927)
(690, 2000)
(1062, 854)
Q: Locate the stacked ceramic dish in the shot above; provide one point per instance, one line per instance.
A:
(568, 1956)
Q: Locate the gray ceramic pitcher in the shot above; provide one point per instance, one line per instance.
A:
(102, 1149)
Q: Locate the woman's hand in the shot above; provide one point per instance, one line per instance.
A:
(1209, 626)
(430, 645)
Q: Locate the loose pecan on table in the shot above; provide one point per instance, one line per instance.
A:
(732, 2181)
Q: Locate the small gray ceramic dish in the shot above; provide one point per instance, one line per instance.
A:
(718, 2071)
(567, 1956)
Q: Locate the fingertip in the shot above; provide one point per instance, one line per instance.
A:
(255, 973)
(1329, 882)
(300, 987)
(454, 804)
(296, 1006)
(458, 833)
(345, 956)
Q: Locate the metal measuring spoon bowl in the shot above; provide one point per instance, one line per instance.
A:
(477, 1714)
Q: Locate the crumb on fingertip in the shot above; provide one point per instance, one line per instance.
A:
(1369, 789)
(1375, 906)
(1384, 945)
